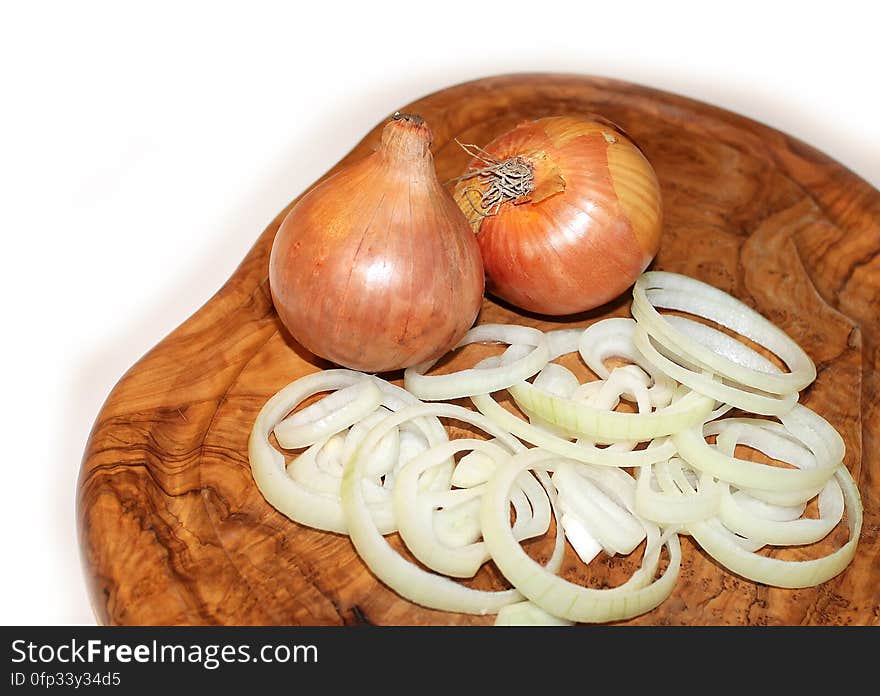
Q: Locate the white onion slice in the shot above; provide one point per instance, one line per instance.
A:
(329, 457)
(722, 344)
(485, 380)
(563, 341)
(679, 292)
(313, 468)
(768, 511)
(291, 498)
(709, 534)
(473, 469)
(707, 384)
(312, 497)
(416, 513)
(613, 338)
(538, 432)
(675, 503)
(552, 593)
(628, 382)
(416, 435)
(557, 379)
(763, 522)
(395, 398)
(820, 437)
(774, 440)
(527, 614)
(730, 538)
(585, 545)
(754, 476)
(387, 453)
(564, 448)
(458, 523)
(616, 529)
(579, 418)
(407, 579)
(738, 519)
(332, 414)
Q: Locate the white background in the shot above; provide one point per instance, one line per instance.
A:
(144, 147)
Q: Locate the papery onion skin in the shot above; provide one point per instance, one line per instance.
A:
(591, 225)
(376, 268)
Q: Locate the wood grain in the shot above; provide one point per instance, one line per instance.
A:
(174, 531)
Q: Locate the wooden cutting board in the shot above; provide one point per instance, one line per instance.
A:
(173, 530)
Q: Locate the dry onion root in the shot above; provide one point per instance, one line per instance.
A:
(378, 459)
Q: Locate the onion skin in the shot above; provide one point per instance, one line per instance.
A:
(376, 268)
(591, 225)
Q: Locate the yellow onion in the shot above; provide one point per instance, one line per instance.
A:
(567, 212)
(376, 268)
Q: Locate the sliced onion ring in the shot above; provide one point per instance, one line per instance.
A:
(552, 593)
(563, 341)
(675, 504)
(705, 383)
(581, 419)
(679, 292)
(754, 476)
(799, 531)
(709, 534)
(406, 578)
(332, 414)
(306, 469)
(527, 614)
(564, 448)
(626, 382)
(320, 508)
(610, 521)
(485, 380)
(543, 436)
(415, 512)
(613, 338)
(267, 464)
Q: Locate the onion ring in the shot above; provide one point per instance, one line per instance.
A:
(555, 595)
(613, 338)
(779, 573)
(405, 578)
(754, 476)
(679, 292)
(706, 383)
(477, 380)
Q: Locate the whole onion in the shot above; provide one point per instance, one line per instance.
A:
(376, 268)
(567, 211)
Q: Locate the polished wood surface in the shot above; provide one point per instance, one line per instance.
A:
(173, 530)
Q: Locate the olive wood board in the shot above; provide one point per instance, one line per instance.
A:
(173, 530)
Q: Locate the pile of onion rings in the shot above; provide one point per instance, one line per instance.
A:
(376, 459)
